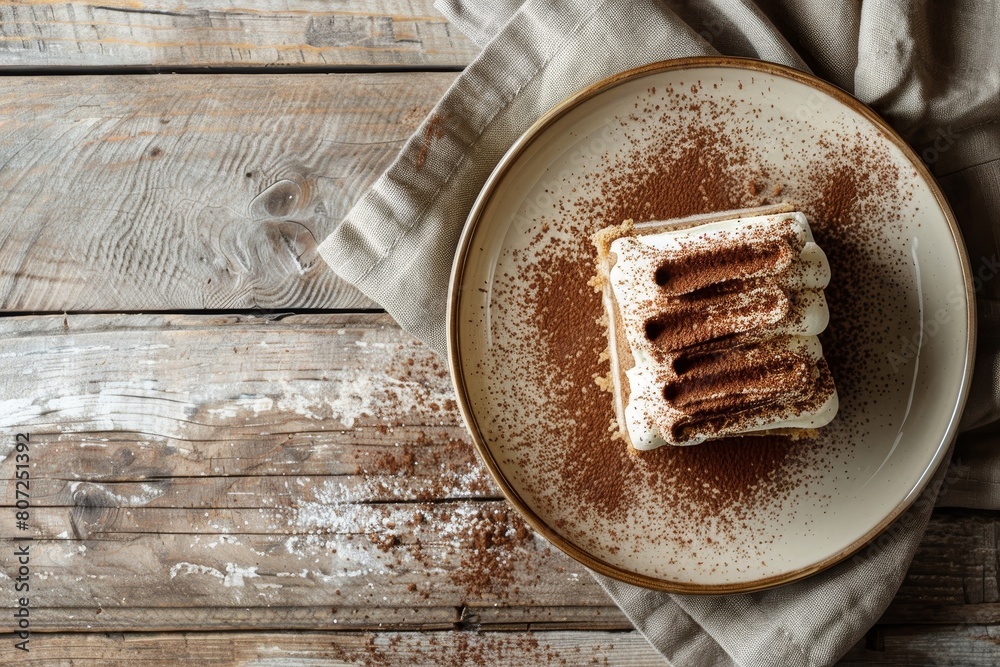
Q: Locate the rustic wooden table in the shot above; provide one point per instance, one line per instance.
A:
(234, 457)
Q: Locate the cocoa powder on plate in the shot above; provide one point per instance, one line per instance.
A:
(551, 321)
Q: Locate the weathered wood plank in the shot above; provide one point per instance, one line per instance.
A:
(927, 646)
(214, 462)
(233, 377)
(186, 377)
(315, 530)
(110, 457)
(238, 495)
(174, 192)
(348, 547)
(441, 649)
(209, 33)
(209, 523)
(449, 554)
(954, 573)
(916, 646)
(333, 616)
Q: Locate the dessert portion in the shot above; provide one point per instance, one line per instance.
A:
(713, 324)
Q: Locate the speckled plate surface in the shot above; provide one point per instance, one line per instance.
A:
(526, 341)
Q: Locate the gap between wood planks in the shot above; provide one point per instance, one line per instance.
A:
(477, 618)
(273, 314)
(362, 502)
(125, 70)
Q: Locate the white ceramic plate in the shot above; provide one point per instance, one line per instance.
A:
(674, 139)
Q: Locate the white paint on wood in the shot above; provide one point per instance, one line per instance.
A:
(147, 495)
(254, 515)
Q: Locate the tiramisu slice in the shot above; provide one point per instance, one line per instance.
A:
(712, 324)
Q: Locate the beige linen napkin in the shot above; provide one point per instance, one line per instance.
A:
(932, 69)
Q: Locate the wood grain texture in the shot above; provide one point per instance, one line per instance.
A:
(459, 649)
(209, 33)
(957, 646)
(170, 192)
(200, 472)
(244, 462)
(924, 646)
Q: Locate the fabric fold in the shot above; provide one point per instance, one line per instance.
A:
(395, 242)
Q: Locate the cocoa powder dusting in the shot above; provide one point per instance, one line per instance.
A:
(464, 649)
(550, 322)
(715, 265)
(494, 538)
(608, 476)
(599, 474)
(698, 180)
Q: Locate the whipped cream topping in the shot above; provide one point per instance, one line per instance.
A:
(722, 322)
